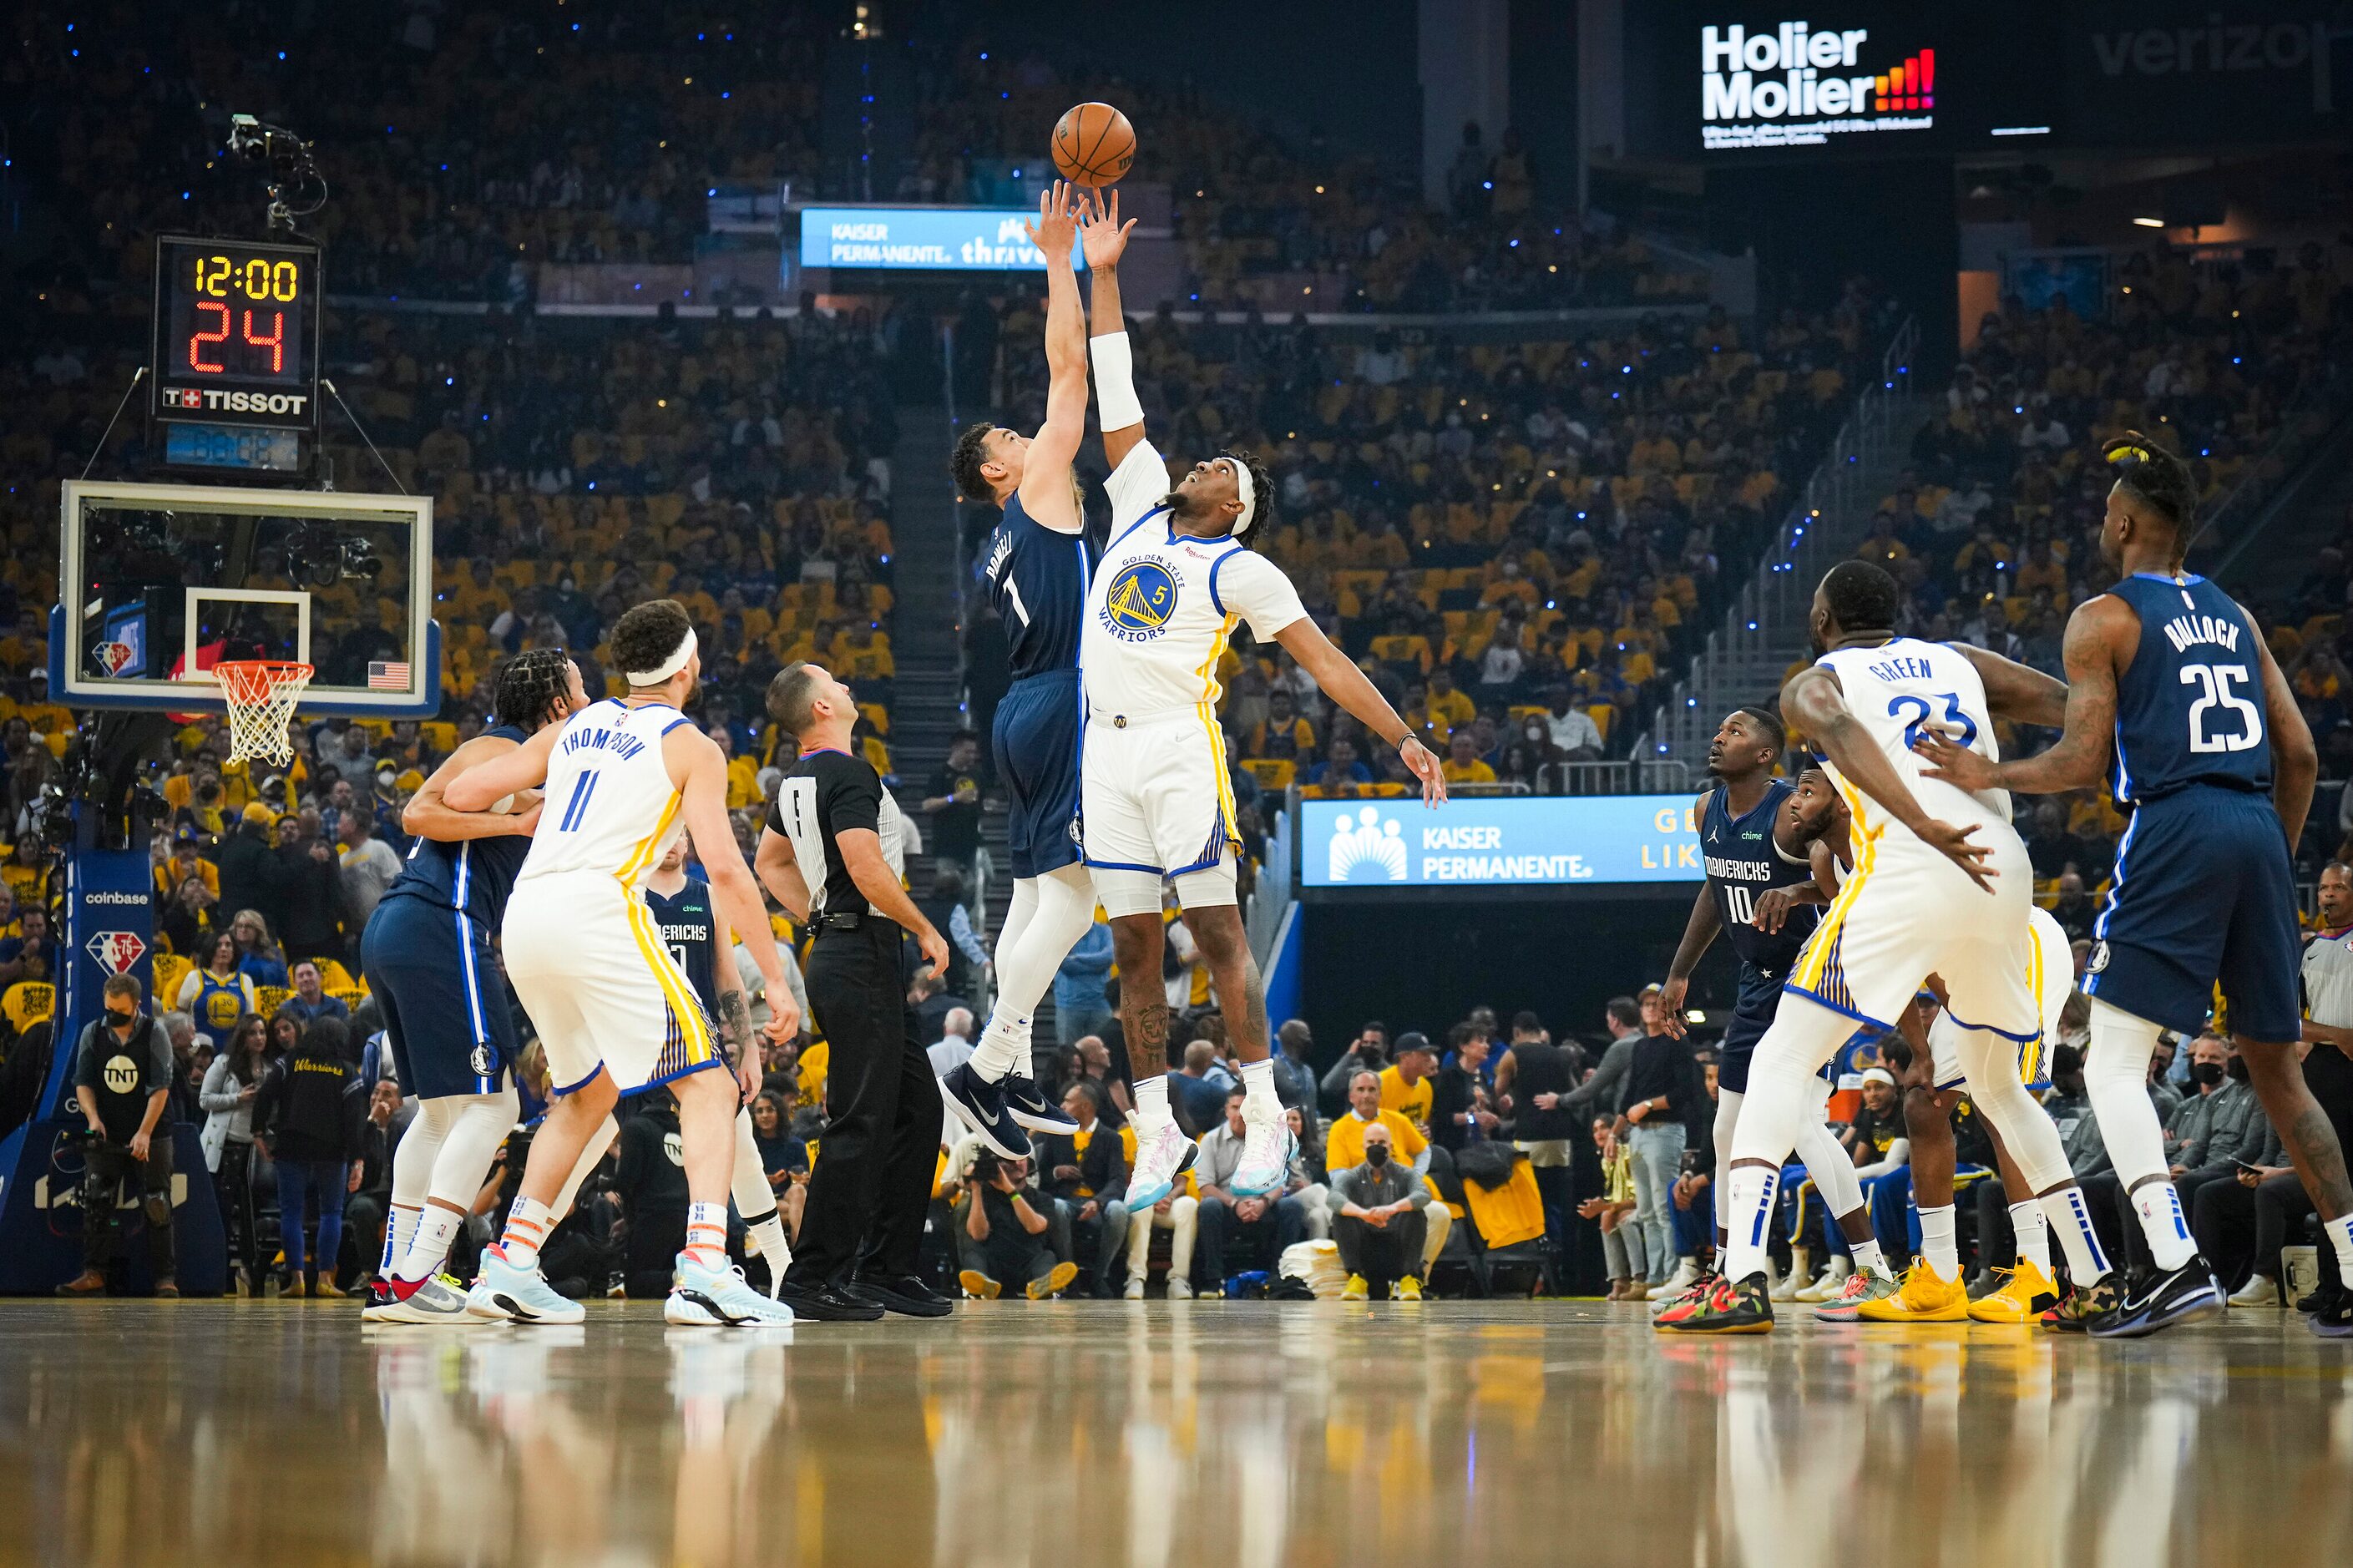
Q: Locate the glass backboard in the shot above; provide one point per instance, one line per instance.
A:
(162, 582)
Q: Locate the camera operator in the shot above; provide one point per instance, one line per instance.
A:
(123, 1078)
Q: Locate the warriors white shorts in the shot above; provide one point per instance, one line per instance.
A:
(603, 992)
(2049, 976)
(1156, 805)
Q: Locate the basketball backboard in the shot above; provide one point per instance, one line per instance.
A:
(162, 582)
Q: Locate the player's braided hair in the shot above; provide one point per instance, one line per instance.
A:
(530, 687)
(971, 452)
(2154, 476)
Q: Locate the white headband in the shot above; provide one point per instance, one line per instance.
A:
(1246, 491)
(669, 667)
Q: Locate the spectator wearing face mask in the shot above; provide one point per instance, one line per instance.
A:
(122, 1081)
(1380, 1221)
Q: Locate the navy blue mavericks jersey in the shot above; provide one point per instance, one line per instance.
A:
(1038, 579)
(473, 876)
(2190, 709)
(1743, 860)
(691, 930)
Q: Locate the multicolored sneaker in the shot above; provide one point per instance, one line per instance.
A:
(383, 1295)
(1924, 1297)
(1733, 1307)
(1161, 1156)
(504, 1293)
(1687, 1302)
(2023, 1296)
(440, 1299)
(1865, 1284)
(2081, 1304)
(1265, 1164)
(719, 1297)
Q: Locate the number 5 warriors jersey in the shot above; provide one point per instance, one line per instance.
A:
(582, 948)
(2204, 889)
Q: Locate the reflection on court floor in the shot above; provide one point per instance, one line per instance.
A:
(1172, 1434)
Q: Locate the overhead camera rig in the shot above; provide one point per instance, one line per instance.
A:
(297, 189)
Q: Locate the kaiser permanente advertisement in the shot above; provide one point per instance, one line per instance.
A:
(960, 239)
(1516, 841)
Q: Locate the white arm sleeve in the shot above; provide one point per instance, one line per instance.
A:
(1115, 400)
(1247, 585)
(1136, 485)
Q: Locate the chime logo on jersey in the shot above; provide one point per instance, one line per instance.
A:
(1142, 598)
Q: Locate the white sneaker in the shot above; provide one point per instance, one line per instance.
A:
(1265, 1164)
(1134, 1291)
(1787, 1287)
(1162, 1156)
(439, 1299)
(719, 1297)
(1686, 1270)
(1179, 1289)
(2257, 1291)
(1832, 1281)
(507, 1294)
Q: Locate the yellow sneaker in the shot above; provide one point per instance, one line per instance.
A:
(1356, 1289)
(1407, 1290)
(2029, 1293)
(978, 1286)
(1927, 1296)
(1054, 1284)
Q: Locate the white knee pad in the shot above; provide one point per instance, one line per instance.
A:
(412, 1162)
(2116, 1080)
(479, 1124)
(1989, 1061)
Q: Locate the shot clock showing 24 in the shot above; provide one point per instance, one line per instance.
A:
(236, 333)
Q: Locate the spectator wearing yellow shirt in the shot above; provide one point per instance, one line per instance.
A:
(742, 772)
(1463, 765)
(183, 863)
(2040, 571)
(1344, 1144)
(1405, 1085)
(1449, 703)
(1403, 648)
(1283, 734)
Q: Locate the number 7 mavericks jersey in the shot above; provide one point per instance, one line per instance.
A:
(2190, 709)
(1900, 689)
(611, 808)
(1038, 579)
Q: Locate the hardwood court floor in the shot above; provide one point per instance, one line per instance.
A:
(1454, 1434)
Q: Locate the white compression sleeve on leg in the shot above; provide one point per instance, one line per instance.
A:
(2116, 1078)
(1026, 959)
(1727, 1119)
(412, 1162)
(1116, 403)
(747, 1184)
(1990, 1064)
(1803, 1036)
(479, 1124)
(598, 1141)
(1833, 1171)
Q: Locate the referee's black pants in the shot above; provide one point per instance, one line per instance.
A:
(872, 1183)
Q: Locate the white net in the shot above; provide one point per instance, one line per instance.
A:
(260, 696)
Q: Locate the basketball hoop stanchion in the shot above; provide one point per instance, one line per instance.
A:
(261, 695)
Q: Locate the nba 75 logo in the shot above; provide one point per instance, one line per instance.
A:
(116, 951)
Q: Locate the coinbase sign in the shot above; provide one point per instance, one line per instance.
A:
(1518, 841)
(938, 239)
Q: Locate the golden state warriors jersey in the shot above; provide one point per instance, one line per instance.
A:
(611, 806)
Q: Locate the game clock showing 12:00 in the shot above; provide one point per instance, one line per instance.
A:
(236, 332)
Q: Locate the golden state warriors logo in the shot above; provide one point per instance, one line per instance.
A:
(1141, 599)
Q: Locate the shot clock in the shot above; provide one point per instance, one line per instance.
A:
(236, 333)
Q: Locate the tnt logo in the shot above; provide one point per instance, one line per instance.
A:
(121, 1075)
(116, 951)
(1367, 849)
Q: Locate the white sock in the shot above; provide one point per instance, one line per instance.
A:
(1867, 1255)
(1937, 1244)
(436, 1228)
(2033, 1236)
(768, 1236)
(2158, 1204)
(528, 1223)
(1753, 1190)
(1004, 1046)
(706, 1234)
(398, 1230)
(2070, 1217)
(1260, 1102)
(1151, 1104)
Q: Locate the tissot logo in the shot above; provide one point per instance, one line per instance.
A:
(1791, 85)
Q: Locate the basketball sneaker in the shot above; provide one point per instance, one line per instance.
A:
(1161, 1156)
(2023, 1297)
(384, 1294)
(1835, 1274)
(1685, 1301)
(1031, 1110)
(1865, 1284)
(440, 1299)
(1733, 1307)
(504, 1293)
(2159, 1298)
(1406, 1289)
(981, 1106)
(1265, 1164)
(978, 1286)
(719, 1297)
(1924, 1297)
(2081, 1304)
(1358, 1289)
(1057, 1280)
(2334, 1320)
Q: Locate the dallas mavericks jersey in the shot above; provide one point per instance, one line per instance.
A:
(611, 808)
(472, 876)
(1743, 860)
(2190, 709)
(1901, 688)
(1038, 579)
(689, 929)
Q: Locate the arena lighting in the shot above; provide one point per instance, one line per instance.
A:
(2149, 222)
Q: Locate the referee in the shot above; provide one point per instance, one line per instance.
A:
(832, 855)
(2328, 1067)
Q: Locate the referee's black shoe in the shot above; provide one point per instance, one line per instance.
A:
(907, 1294)
(981, 1106)
(1029, 1108)
(827, 1304)
(2159, 1298)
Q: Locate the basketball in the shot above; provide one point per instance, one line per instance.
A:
(1093, 144)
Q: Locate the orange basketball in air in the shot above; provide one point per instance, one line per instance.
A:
(1093, 144)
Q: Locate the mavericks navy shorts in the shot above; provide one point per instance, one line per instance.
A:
(1036, 742)
(445, 1007)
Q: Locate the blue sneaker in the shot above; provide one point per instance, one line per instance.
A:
(1265, 1164)
(719, 1297)
(504, 1293)
(981, 1106)
(1160, 1158)
(1029, 1108)
(2158, 1299)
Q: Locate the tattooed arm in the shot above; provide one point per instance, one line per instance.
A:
(736, 1046)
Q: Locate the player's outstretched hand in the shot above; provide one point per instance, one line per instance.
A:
(1102, 239)
(1423, 764)
(1671, 1006)
(935, 949)
(1953, 844)
(1957, 765)
(1057, 229)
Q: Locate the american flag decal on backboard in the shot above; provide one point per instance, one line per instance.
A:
(384, 675)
